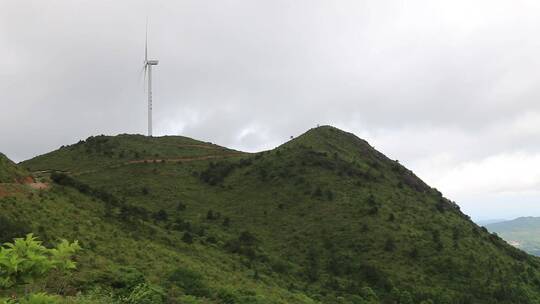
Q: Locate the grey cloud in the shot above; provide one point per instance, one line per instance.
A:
(416, 78)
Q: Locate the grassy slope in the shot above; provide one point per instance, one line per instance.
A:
(101, 152)
(110, 242)
(9, 172)
(524, 230)
(330, 214)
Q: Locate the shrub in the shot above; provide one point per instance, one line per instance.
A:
(189, 281)
(146, 294)
(371, 200)
(217, 172)
(244, 245)
(123, 279)
(318, 192)
(161, 215)
(181, 225)
(126, 211)
(145, 191)
(390, 245)
(37, 298)
(246, 238)
(369, 295)
(187, 238)
(226, 222)
(211, 240)
(10, 229)
(313, 266)
(180, 207)
(329, 195)
(227, 296)
(192, 300)
(414, 253)
(280, 266)
(373, 210)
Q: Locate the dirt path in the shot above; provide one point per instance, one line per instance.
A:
(184, 159)
(197, 146)
(159, 160)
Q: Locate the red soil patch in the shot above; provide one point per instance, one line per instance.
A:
(32, 183)
(38, 186)
(3, 192)
(26, 180)
(9, 190)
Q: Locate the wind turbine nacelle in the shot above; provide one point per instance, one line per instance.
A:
(152, 62)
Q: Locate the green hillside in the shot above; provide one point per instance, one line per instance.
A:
(99, 152)
(324, 218)
(523, 232)
(9, 172)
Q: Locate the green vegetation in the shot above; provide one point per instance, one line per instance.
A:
(324, 218)
(521, 232)
(25, 261)
(9, 172)
(98, 152)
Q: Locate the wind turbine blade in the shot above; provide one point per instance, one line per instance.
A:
(146, 43)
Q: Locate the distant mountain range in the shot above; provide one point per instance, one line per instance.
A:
(522, 232)
(489, 221)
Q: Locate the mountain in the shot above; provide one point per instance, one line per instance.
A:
(489, 221)
(9, 172)
(522, 232)
(323, 218)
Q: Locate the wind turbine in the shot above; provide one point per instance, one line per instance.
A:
(148, 69)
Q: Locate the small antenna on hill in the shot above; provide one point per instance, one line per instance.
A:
(148, 70)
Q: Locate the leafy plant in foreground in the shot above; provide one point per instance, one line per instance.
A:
(26, 260)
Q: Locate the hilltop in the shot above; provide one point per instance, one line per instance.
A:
(102, 151)
(10, 172)
(323, 218)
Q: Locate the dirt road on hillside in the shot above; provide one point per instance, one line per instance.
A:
(184, 159)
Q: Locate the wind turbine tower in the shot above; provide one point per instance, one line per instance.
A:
(148, 69)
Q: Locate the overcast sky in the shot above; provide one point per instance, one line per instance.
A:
(450, 88)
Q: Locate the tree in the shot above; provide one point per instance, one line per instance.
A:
(10, 229)
(329, 195)
(191, 282)
(246, 238)
(401, 296)
(390, 245)
(145, 191)
(180, 207)
(368, 295)
(414, 253)
(161, 215)
(313, 266)
(187, 238)
(318, 192)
